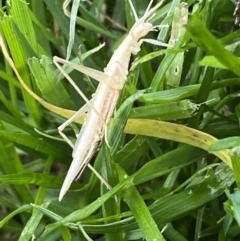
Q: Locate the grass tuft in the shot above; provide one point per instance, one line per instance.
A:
(173, 151)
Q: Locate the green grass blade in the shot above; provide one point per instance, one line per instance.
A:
(210, 44)
(144, 219)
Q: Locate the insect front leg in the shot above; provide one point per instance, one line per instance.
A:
(153, 42)
(137, 44)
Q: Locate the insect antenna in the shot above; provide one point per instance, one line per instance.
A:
(133, 10)
(149, 6)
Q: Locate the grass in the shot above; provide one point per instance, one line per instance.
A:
(174, 145)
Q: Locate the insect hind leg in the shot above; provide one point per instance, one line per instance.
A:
(56, 61)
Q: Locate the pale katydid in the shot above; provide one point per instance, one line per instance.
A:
(101, 107)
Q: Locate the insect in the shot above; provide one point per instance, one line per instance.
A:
(101, 107)
(237, 13)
